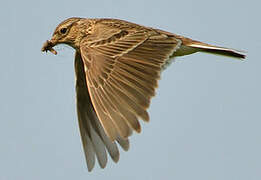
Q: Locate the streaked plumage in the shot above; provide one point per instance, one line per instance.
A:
(117, 68)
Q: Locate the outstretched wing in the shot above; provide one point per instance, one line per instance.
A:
(122, 73)
(94, 140)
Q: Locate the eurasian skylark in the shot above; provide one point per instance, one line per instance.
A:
(117, 67)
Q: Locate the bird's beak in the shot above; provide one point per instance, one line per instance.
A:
(48, 46)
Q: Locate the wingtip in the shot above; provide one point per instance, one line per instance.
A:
(116, 158)
(90, 168)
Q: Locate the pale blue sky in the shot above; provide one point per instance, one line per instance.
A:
(205, 120)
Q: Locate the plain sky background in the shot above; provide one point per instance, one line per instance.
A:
(205, 120)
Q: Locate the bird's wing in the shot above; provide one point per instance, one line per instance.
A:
(122, 73)
(94, 139)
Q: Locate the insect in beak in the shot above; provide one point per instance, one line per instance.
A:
(48, 46)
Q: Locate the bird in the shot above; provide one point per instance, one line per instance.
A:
(117, 66)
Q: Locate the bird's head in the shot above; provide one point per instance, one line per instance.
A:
(67, 32)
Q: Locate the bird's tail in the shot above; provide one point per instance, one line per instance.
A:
(190, 46)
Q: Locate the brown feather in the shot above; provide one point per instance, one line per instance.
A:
(90, 128)
(127, 66)
(191, 46)
(117, 66)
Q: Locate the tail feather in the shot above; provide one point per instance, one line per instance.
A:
(218, 50)
(190, 46)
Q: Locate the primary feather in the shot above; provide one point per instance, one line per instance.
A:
(117, 67)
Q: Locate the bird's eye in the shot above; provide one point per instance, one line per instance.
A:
(63, 30)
